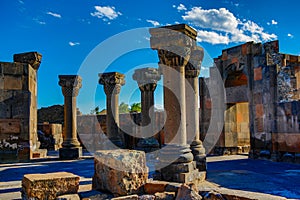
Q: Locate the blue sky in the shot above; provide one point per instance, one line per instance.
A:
(67, 33)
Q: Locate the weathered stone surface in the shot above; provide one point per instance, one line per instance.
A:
(121, 172)
(68, 197)
(94, 195)
(155, 186)
(212, 196)
(147, 197)
(129, 197)
(49, 186)
(173, 187)
(188, 192)
(165, 195)
(32, 58)
(18, 107)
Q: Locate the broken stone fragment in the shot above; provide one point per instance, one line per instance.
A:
(32, 58)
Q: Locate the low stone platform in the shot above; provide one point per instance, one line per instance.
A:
(49, 185)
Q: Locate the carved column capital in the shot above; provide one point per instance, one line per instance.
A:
(192, 68)
(112, 82)
(174, 44)
(70, 84)
(147, 78)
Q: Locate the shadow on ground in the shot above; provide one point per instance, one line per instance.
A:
(282, 179)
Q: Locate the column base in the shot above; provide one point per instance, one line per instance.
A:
(182, 168)
(183, 173)
(70, 153)
(198, 152)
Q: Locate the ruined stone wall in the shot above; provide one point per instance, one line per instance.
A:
(268, 81)
(91, 127)
(18, 108)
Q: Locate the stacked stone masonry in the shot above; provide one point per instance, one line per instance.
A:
(262, 101)
(18, 107)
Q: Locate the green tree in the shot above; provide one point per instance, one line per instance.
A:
(95, 111)
(136, 107)
(123, 108)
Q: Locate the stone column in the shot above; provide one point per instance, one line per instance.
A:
(70, 88)
(192, 72)
(112, 83)
(174, 45)
(147, 81)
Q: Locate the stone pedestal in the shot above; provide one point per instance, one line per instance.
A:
(192, 72)
(147, 81)
(70, 87)
(174, 45)
(112, 83)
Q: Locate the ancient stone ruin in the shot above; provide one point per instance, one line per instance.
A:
(260, 91)
(262, 101)
(18, 108)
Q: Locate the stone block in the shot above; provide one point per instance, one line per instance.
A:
(16, 69)
(49, 186)
(165, 195)
(147, 197)
(155, 186)
(173, 187)
(12, 83)
(257, 74)
(188, 192)
(129, 197)
(10, 126)
(40, 153)
(259, 110)
(121, 172)
(70, 153)
(68, 197)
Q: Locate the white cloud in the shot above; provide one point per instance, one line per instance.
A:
(106, 12)
(74, 43)
(273, 22)
(39, 21)
(54, 14)
(181, 7)
(221, 20)
(290, 35)
(154, 23)
(212, 37)
(220, 26)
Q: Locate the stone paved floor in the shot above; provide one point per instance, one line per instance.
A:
(234, 172)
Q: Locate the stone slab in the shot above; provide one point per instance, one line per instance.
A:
(49, 186)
